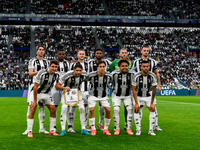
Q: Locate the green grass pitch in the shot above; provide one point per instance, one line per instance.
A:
(179, 117)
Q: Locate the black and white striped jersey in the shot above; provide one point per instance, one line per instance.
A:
(144, 83)
(45, 80)
(122, 83)
(99, 84)
(84, 65)
(93, 64)
(63, 67)
(68, 79)
(84, 85)
(37, 65)
(138, 62)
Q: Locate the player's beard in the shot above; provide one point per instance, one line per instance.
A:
(99, 58)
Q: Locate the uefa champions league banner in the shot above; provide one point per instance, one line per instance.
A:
(101, 20)
(164, 92)
(175, 92)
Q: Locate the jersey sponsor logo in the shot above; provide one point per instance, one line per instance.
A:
(144, 89)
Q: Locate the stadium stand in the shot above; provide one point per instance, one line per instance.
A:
(70, 7)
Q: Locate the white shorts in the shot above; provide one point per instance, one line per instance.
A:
(144, 101)
(30, 87)
(116, 100)
(80, 104)
(92, 100)
(84, 96)
(46, 99)
(56, 95)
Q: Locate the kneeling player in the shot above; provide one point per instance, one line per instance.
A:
(122, 92)
(143, 81)
(98, 93)
(43, 83)
(72, 80)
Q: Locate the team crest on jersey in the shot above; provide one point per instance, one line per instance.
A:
(37, 61)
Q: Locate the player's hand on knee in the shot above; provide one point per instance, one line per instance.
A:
(152, 108)
(33, 105)
(136, 108)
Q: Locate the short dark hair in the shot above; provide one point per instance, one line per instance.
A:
(101, 62)
(53, 62)
(145, 61)
(78, 65)
(145, 45)
(121, 61)
(98, 50)
(60, 50)
(40, 46)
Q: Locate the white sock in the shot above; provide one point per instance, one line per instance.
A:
(30, 124)
(106, 123)
(151, 120)
(92, 123)
(63, 117)
(86, 116)
(129, 116)
(52, 123)
(82, 117)
(41, 116)
(116, 117)
(137, 121)
(140, 113)
(28, 112)
(68, 117)
(101, 114)
(156, 117)
(71, 117)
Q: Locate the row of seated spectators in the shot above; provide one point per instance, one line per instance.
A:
(141, 7)
(21, 36)
(162, 9)
(10, 7)
(70, 7)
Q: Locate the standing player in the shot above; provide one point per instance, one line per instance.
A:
(93, 67)
(114, 66)
(63, 67)
(84, 91)
(98, 93)
(122, 92)
(142, 83)
(153, 68)
(43, 83)
(35, 65)
(72, 80)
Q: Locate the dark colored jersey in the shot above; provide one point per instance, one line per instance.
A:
(144, 83)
